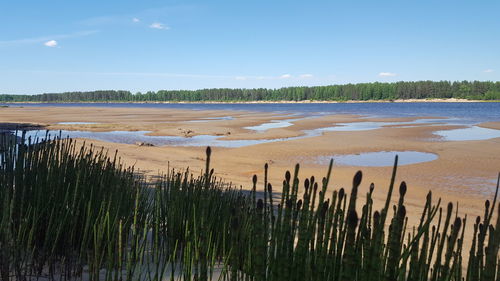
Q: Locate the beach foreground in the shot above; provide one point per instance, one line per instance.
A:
(106, 223)
(464, 171)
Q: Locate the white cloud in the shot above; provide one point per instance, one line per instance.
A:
(488, 71)
(158, 25)
(136, 20)
(306, 75)
(37, 40)
(241, 78)
(285, 76)
(51, 43)
(387, 74)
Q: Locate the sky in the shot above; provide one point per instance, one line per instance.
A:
(56, 46)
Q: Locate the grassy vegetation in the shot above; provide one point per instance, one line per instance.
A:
(70, 212)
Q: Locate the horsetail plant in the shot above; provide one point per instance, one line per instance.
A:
(68, 211)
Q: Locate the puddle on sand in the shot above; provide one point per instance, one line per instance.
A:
(271, 125)
(369, 125)
(357, 126)
(468, 134)
(464, 134)
(274, 124)
(378, 159)
(132, 137)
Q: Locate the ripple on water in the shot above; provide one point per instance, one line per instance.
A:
(378, 159)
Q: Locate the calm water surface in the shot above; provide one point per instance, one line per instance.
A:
(471, 112)
(468, 134)
(379, 158)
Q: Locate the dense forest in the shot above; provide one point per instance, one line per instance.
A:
(477, 90)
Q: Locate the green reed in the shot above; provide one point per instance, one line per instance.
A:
(71, 212)
(62, 206)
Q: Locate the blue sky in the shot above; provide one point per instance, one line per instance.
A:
(55, 46)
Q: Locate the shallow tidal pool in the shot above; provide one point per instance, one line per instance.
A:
(378, 159)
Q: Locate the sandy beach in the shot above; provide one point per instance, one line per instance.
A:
(464, 172)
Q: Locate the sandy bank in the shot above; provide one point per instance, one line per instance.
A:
(277, 101)
(465, 171)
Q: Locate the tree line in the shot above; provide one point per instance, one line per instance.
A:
(478, 90)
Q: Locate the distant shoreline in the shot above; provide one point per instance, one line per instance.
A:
(450, 100)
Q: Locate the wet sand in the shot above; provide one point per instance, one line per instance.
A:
(465, 171)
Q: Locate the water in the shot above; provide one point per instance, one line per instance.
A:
(467, 111)
(368, 125)
(274, 124)
(468, 114)
(378, 159)
(132, 137)
(468, 134)
(359, 126)
(270, 125)
(354, 126)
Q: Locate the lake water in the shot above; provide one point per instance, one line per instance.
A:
(467, 114)
(470, 112)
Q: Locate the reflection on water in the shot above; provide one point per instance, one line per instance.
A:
(378, 159)
(468, 134)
